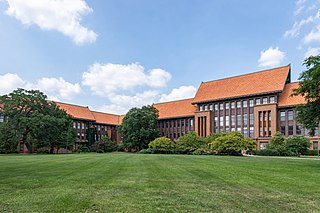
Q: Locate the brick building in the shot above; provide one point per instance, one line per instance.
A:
(256, 104)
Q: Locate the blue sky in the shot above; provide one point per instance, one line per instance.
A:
(112, 55)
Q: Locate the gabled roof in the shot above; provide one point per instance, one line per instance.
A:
(180, 108)
(272, 80)
(286, 99)
(75, 111)
(106, 118)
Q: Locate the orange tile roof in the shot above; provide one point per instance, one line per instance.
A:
(249, 84)
(180, 108)
(105, 118)
(75, 111)
(286, 99)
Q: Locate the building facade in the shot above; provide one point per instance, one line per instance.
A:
(257, 104)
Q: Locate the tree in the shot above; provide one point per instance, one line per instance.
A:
(278, 143)
(309, 87)
(8, 139)
(232, 143)
(36, 120)
(190, 141)
(139, 127)
(298, 145)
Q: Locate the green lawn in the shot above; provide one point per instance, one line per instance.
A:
(120, 182)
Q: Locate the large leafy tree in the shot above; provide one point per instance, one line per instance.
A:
(278, 143)
(309, 88)
(36, 121)
(139, 127)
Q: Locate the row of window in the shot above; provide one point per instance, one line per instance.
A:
(289, 115)
(238, 104)
(176, 123)
(80, 125)
(173, 135)
(235, 119)
(244, 130)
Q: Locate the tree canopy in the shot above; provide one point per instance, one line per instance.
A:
(309, 87)
(36, 121)
(139, 127)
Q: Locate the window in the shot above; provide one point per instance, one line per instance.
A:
(244, 104)
(283, 130)
(251, 103)
(211, 107)
(251, 119)
(264, 100)
(290, 130)
(200, 108)
(233, 120)
(205, 107)
(239, 129)
(187, 122)
(191, 122)
(221, 121)
(227, 105)
(265, 116)
(232, 105)
(174, 123)
(306, 132)
(269, 131)
(238, 104)
(182, 123)
(298, 130)
(282, 116)
(265, 131)
(227, 120)
(245, 132)
(263, 145)
(227, 129)
(1, 118)
(79, 125)
(239, 120)
(251, 131)
(233, 129)
(245, 119)
(221, 106)
(260, 116)
(171, 124)
(272, 99)
(258, 101)
(74, 125)
(216, 121)
(290, 115)
(83, 126)
(216, 107)
(269, 117)
(260, 131)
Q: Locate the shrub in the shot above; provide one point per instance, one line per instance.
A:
(190, 141)
(298, 145)
(231, 143)
(278, 143)
(265, 152)
(100, 151)
(312, 152)
(83, 149)
(161, 143)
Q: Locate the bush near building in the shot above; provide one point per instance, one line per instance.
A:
(292, 146)
(162, 143)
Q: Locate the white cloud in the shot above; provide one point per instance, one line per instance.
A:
(313, 36)
(182, 92)
(61, 15)
(295, 30)
(271, 57)
(104, 79)
(10, 82)
(300, 5)
(58, 88)
(120, 104)
(312, 52)
(54, 88)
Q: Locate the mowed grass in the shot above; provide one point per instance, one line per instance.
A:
(120, 182)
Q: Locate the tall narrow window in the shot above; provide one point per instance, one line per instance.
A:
(245, 119)
(264, 100)
(282, 116)
(238, 104)
(211, 107)
(216, 107)
(232, 105)
(290, 130)
(258, 101)
(227, 105)
(233, 120)
(221, 122)
(239, 121)
(251, 119)
(290, 115)
(244, 104)
(251, 103)
(272, 99)
(221, 106)
(227, 120)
